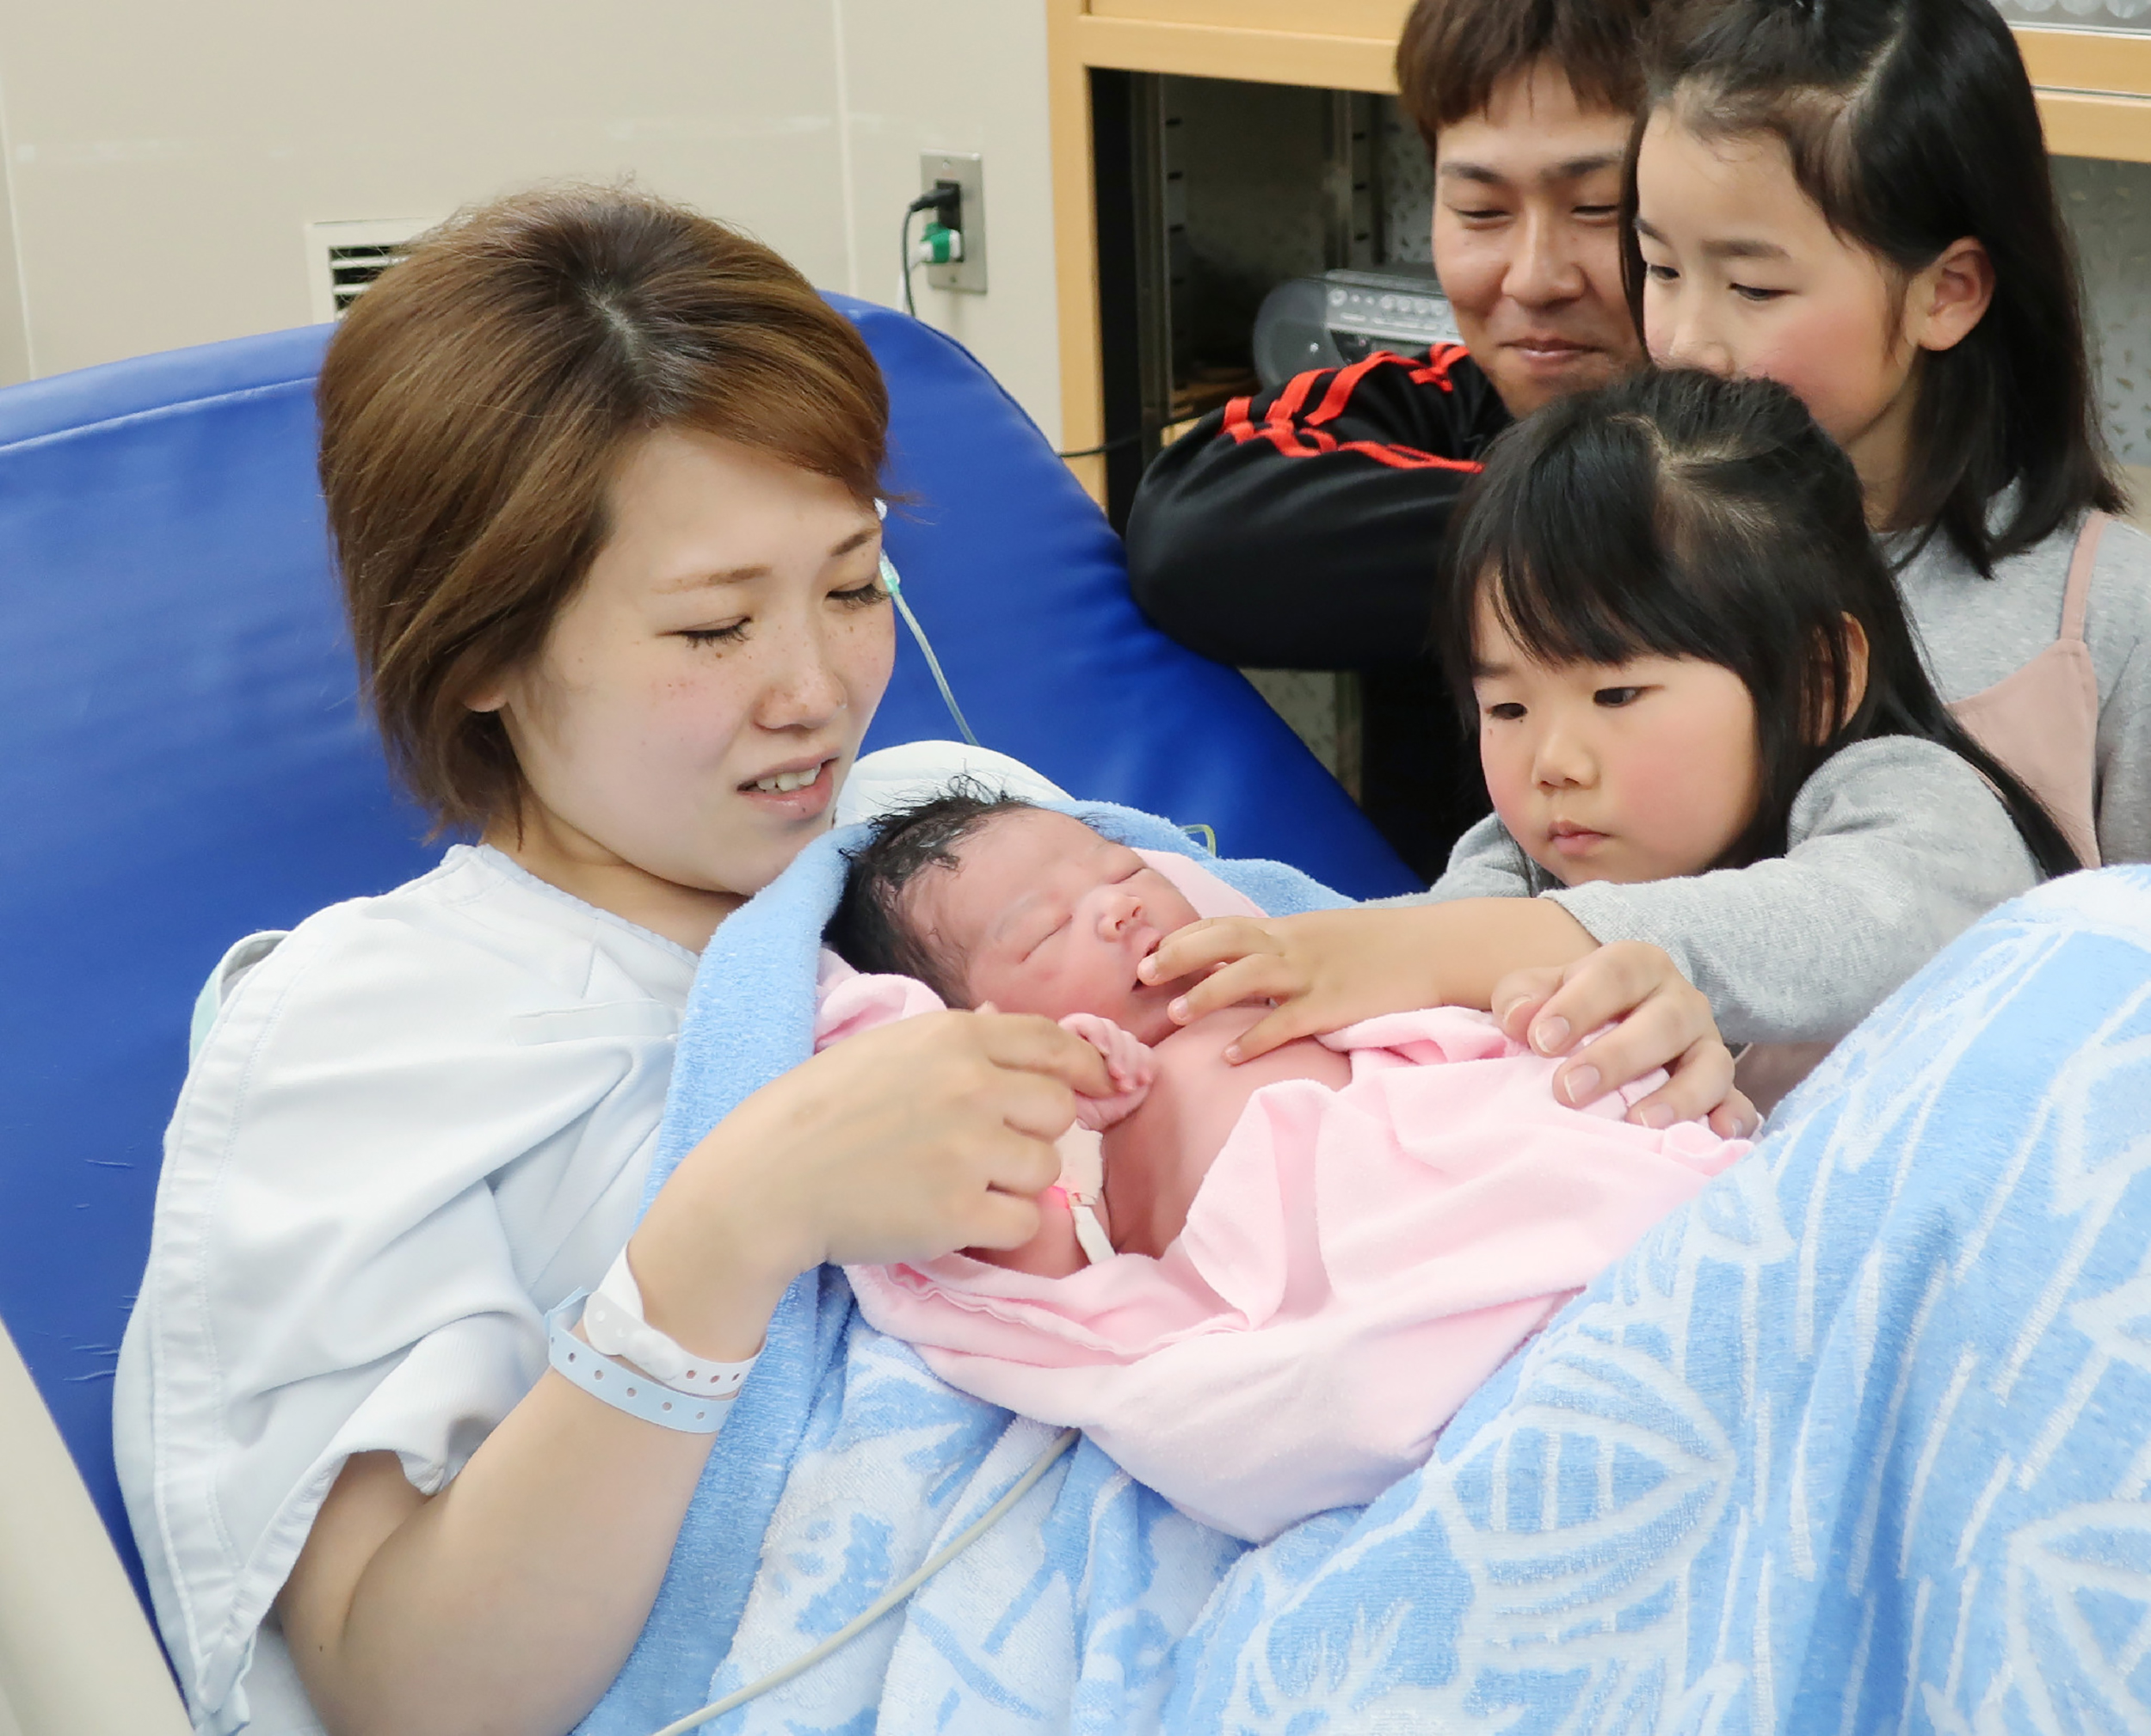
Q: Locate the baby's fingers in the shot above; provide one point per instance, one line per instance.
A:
(1202, 945)
(1023, 1043)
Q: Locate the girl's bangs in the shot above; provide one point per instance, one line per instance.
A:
(1554, 616)
(1576, 573)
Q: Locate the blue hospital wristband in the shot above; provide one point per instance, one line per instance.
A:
(623, 1388)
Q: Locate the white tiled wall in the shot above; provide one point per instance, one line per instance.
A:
(2109, 207)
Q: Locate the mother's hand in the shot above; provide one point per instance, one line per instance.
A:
(507, 1601)
(928, 1134)
(1659, 1019)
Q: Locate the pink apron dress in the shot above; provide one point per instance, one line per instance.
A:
(2041, 722)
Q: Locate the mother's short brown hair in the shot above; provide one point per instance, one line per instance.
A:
(475, 405)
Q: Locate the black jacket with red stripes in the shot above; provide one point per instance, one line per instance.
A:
(1301, 529)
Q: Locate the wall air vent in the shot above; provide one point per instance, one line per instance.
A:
(343, 257)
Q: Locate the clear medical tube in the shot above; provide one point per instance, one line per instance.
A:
(896, 1594)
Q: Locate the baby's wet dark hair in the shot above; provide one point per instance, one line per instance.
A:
(871, 930)
(1678, 515)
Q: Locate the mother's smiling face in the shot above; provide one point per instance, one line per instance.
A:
(697, 702)
(601, 474)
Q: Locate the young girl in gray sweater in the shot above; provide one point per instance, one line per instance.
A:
(1854, 199)
(1705, 726)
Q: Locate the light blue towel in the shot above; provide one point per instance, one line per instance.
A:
(1858, 1440)
(898, 1460)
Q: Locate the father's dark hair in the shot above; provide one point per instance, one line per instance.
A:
(870, 931)
(1454, 53)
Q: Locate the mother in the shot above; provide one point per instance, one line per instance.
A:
(602, 476)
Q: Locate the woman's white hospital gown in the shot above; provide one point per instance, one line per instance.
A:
(421, 1122)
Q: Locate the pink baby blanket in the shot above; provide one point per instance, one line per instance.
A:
(1355, 1264)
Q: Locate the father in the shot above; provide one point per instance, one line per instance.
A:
(1299, 529)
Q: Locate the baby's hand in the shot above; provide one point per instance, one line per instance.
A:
(1323, 970)
(1128, 1062)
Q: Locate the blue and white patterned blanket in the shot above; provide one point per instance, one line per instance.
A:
(1860, 1439)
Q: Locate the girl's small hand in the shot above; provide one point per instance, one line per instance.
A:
(1324, 970)
(1660, 1019)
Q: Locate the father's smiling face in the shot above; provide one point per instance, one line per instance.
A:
(1527, 237)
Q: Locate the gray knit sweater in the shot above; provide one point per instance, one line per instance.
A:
(1896, 846)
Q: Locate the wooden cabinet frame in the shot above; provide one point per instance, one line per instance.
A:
(2095, 97)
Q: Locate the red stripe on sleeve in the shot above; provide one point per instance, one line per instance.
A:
(1435, 369)
(1296, 393)
(1346, 382)
(1308, 439)
(1408, 458)
(1292, 443)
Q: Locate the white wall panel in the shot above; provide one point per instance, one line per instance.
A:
(964, 75)
(165, 158)
(14, 358)
(162, 161)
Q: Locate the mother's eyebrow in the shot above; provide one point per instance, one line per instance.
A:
(723, 575)
(761, 570)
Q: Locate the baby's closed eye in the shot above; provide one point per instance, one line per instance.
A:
(1044, 935)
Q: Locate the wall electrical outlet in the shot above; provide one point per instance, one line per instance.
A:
(966, 170)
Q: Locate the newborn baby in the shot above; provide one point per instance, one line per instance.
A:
(997, 903)
(1262, 1288)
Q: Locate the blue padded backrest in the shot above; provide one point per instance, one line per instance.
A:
(183, 761)
(1021, 585)
(182, 758)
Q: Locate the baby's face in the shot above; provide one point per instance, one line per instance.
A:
(1042, 914)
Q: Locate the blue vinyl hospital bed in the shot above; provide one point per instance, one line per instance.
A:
(183, 758)
(1859, 1440)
